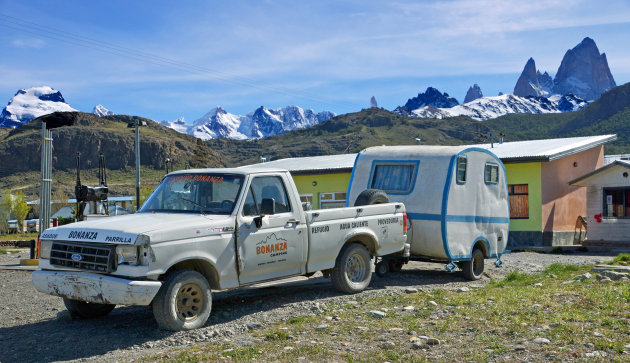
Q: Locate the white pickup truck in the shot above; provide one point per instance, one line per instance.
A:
(212, 229)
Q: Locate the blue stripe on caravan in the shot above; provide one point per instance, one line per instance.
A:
(452, 218)
(425, 216)
(477, 219)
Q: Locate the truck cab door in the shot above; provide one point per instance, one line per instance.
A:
(277, 247)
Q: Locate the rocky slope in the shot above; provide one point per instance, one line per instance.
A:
(474, 92)
(91, 134)
(584, 72)
(28, 104)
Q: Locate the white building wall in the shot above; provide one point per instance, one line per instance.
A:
(610, 229)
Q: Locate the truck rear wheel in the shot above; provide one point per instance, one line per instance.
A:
(352, 272)
(87, 310)
(473, 269)
(371, 196)
(183, 302)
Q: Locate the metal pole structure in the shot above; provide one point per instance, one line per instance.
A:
(45, 188)
(137, 166)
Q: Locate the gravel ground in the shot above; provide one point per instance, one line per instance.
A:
(36, 327)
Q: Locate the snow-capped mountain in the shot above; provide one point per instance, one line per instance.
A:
(431, 97)
(100, 110)
(29, 104)
(491, 107)
(178, 125)
(261, 122)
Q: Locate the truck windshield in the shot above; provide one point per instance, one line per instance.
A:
(195, 193)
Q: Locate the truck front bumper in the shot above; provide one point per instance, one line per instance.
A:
(95, 288)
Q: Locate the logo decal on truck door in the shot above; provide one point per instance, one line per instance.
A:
(272, 246)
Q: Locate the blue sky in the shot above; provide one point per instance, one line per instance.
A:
(165, 59)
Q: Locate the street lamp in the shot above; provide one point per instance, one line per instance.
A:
(135, 124)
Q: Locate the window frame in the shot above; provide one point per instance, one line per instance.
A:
(457, 166)
(333, 200)
(415, 164)
(257, 202)
(492, 165)
(624, 191)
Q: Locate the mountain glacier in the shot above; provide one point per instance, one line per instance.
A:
(491, 107)
(262, 122)
(29, 104)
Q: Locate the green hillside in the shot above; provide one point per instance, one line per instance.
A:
(353, 131)
(21, 154)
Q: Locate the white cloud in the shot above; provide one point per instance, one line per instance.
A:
(28, 43)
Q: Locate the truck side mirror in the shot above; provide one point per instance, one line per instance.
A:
(268, 206)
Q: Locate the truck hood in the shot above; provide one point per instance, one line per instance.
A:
(157, 226)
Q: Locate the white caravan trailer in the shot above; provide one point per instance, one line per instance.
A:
(456, 199)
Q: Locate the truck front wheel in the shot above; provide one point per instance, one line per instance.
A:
(352, 272)
(183, 302)
(87, 310)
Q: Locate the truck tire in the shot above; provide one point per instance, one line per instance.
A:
(371, 196)
(352, 272)
(183, 302)
(473, 269)
(87, 310)
(396, 264)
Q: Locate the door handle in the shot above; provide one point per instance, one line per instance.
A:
(293, 221)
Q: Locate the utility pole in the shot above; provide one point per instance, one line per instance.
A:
(137, 123)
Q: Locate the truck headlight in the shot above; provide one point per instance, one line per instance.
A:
(127, 254)
(44, 249)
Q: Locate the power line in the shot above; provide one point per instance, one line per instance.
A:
(26, 26)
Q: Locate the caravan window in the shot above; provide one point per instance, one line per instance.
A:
(461, 169)
(491, 174)
(395, 178)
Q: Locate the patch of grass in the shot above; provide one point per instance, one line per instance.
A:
(18, 236)
(483, 324)
(6, 252)
(560, 270)
(622, 259)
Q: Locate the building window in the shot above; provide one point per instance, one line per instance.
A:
(307, 201)
(461, 169)
(491, 174)
(519, 201)
(332, 200)
(616, 203)
(394, 178)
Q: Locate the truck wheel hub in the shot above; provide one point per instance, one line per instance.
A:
(355, 268)
(189, 302)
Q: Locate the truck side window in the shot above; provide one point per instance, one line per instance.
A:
(250, 208)
(266, 187)
(461, 169)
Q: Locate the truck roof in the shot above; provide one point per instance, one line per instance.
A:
(241, 170)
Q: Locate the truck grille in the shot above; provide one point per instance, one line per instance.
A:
(99, 258)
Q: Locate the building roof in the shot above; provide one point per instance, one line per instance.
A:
(508, 152)
(545, 150)
(583, 180)
(323, 164)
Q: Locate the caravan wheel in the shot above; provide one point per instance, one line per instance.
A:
(473, 269)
